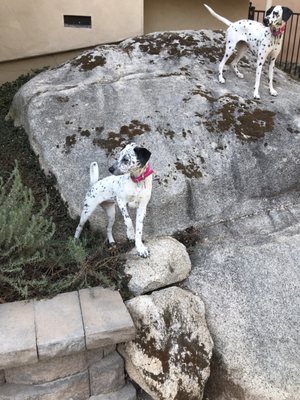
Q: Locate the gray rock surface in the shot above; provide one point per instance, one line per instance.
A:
(171, 354)
(223, 162)
(128, 392)
(213, 147)
(169, 263)
(107, 375)
(250, 287)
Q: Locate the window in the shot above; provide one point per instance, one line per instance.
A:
(77, 21)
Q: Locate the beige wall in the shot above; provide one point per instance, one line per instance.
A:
(160, 15)
(35, 27)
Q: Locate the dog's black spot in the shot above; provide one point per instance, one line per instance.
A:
(142, 154)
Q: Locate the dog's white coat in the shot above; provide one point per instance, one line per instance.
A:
(120, 189)
(259, 38)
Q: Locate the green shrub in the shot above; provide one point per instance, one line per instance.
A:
(24, 233)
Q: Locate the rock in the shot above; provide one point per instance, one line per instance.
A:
(250, 287)
(47, 371)
(107, 375)
(171, 354)
(217, 153)
(75, 387)
(105, 318)
(128, 392)
(169, 263)
(58, 324)
(17, 342)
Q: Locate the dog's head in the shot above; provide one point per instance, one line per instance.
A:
(131, 160)
(277, 16)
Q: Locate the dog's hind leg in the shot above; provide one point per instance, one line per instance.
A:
(230, 46)
(110, 210)
(241, 48)
(89, 207)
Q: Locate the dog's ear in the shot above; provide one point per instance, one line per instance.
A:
(142, 155)
(270, 10)
(286, 13)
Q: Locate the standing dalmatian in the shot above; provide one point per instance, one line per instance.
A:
(263, 39)
(131, 185)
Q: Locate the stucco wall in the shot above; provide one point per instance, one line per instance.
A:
(161, 15)
(29, 27)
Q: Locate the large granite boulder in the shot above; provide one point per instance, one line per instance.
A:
(170, 356)
(214, 149)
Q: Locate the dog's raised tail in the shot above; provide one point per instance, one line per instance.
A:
(214, 14)
(94, 173)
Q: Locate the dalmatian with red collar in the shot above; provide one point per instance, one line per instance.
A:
(265, 40)
(131, 184)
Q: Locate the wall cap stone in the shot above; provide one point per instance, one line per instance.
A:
(68, 323)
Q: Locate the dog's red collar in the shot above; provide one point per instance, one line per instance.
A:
(148, 171)
(278, 32)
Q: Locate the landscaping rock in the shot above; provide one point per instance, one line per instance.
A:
(17, 334)
(105, 318)
(75, 387)
(128, 392)
(59, 329)
(170, 356)
(47, 371)
(250, 287)
(169, 263)
(107, 375)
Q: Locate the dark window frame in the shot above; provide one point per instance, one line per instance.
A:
(77, 21)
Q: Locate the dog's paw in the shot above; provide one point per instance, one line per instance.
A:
(240, 75)
(256, 95)
(143, 251)
(273, 92)
(113, 248)
(221, 79)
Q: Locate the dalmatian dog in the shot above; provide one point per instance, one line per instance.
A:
(265, 40)
(130, 184)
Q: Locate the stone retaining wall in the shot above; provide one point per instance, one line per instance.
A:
(65, 348)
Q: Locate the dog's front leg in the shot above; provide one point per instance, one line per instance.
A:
(260, 62)
(273, 92)
(128, 222)
(140, 247)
